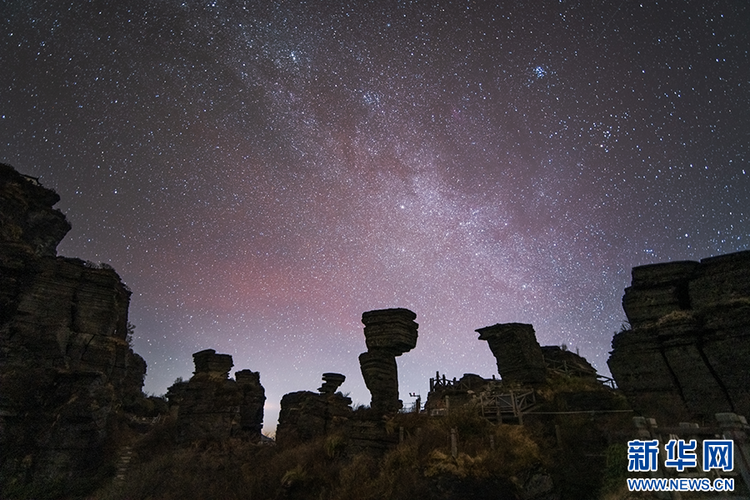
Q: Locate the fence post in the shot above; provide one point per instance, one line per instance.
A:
(642, 428)
(454, 443)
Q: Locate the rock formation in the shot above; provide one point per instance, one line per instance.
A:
(380, 372)
(519, 357)
(252, 402)
(533, 377)
(687, 353)
(214, 366)
(331, 382)
(306, 415)
(211, 405)
(66, 367)
(388, 333)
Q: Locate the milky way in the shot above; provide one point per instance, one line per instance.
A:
(260, 175)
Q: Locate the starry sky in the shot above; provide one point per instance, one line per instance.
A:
(262, 173)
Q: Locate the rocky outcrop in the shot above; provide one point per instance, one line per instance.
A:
(306, 415)
(66, 367)
(213, 406)
(251, 404)
(29, 226)
(380, 372)
(519, 356)
(388, 333)
(686, 354)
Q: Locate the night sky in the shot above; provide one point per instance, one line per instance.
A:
(261, 174)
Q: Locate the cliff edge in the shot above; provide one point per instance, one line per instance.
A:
(66, 366)
(687, 353)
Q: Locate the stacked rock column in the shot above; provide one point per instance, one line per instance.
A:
(253, 399)
(388, 333)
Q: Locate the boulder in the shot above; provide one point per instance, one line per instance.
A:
(392, 330)
(212, 364)
(331, 382)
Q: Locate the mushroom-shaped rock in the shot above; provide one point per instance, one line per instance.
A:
(390, 329)
(331, 382)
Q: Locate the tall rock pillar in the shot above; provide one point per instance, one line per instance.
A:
(388, 333)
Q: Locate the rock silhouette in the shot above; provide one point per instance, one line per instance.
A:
(519, 356)
(211, 405)
(305, 415)
(331, 382)
(688, 349)
(66, 368)
(388, 333)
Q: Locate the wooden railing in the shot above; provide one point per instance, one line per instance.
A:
(439, 383)
(515, 404)
(562, 367)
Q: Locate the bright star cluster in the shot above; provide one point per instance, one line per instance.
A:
(261, 173)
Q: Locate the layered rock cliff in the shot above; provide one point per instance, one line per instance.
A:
(687, 353)
(66, 367)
